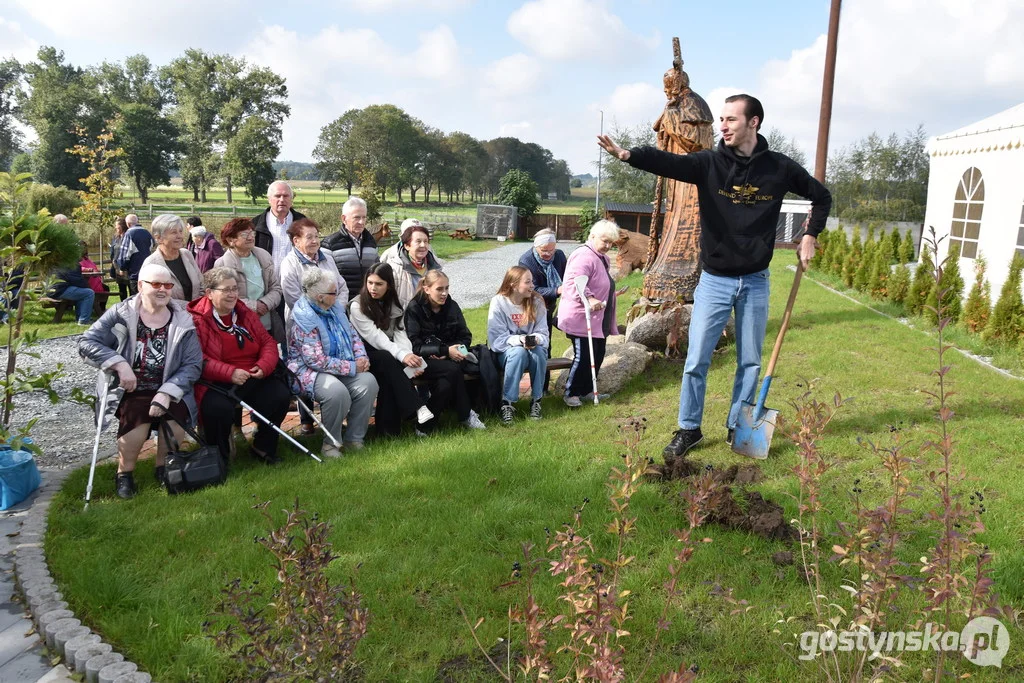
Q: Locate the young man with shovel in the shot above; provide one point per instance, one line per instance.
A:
(740, 188)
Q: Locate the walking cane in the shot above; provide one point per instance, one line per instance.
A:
(298, 399)
(234, 397)
(580, 282)
(96, 444)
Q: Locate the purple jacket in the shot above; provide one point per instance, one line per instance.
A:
(571, 314)
(207, 254)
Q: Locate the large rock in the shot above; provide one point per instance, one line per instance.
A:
(652, 328)
(622, 361)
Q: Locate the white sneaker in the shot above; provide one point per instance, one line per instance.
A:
(474, 421)
(424, 415)
(421, 435)
(330, 451)
(572, 401)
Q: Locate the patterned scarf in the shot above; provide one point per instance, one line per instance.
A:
(550, 273)
(234, 329)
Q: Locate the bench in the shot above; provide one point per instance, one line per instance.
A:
(61, 306)
(461, 234)
(554, 364)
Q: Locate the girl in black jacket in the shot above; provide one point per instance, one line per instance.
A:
(438, 332)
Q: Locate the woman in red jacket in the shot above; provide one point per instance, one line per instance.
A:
(238, 353)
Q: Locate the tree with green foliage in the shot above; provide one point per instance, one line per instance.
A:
(10, 136)
(951, 288)
(878, 280)
(850, 264)
(60, 99)
(894, 244)
(22, 164)
(622, 182)
(31, 246)
(53, 199)
(149, 141)
(924, 280)
(383, 138)
(101, 157)
(819, 254)
(865, 263)
(518, 189)
(335, 151)
(838, 249)
(250, 155)
(899, 284)
(856, 244)
(978, 307)
(1007, 321)
(471, 161)
(778, 142)
(906, 252)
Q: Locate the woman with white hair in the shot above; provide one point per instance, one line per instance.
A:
(203, 245)
(149, 342)
(590, 260)
(169, 232)
(330, 362)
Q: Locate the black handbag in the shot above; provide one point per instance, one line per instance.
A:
(191, 470)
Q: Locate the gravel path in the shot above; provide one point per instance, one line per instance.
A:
(65, 431)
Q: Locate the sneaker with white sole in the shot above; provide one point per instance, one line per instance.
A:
(330, 451)
(589, 398)
(474, 422)
(424, 415)
(421, 435)
(535, 410)
(572, 401)
(508, 413)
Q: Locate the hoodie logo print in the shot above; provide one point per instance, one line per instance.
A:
(745, 194)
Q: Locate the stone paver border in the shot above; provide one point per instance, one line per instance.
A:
(81, 649)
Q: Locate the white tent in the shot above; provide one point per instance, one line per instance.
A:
(976, 193)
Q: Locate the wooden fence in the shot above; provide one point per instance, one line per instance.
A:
(564, 225)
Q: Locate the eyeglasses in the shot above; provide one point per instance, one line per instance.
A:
(247, 235)
(159, 285)
(229, 290)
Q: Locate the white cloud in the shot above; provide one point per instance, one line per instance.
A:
(575, 30)
(17, 43)
(510, 77)
(900, 63)
(630, 105)
(381, 6)
(520, 129)
(130, 21)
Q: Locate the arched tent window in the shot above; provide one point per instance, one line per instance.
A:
(970, 200)
(1020, 234)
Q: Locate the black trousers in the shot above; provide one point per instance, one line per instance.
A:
(447, 388)
(397, 398)
(268, 396)
(580, 382)
(122, 288)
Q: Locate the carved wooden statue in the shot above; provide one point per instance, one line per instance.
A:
(684, 126)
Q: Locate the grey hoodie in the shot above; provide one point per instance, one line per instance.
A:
(506, 327)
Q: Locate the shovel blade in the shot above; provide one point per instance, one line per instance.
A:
(753, 436)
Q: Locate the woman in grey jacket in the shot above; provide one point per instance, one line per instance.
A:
(517, 330)
(149, 343)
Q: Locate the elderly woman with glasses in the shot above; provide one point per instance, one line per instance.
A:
(306, 254)
(259, 287)
(330, 362)
(169, 232)
(150, 344)
(240, 358)
(410, 259)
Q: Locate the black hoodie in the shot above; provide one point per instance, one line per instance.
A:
(740, 200)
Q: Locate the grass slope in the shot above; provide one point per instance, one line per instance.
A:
(434, 521)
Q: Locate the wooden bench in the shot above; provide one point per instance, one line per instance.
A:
(61, 306)
(461, 234)
(554, 364)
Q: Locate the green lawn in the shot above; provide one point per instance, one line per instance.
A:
(440, 521)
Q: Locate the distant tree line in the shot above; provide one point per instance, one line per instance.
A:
(216, 119)
(381, 148)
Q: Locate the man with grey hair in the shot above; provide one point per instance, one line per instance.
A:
(353, 247)
(136, 244)
(271, 226)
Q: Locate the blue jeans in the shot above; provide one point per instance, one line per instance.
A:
(713, 301)
(83, 298)
(517, 361)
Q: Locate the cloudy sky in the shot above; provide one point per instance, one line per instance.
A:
(543, 70)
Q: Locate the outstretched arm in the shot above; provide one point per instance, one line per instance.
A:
(609, 146)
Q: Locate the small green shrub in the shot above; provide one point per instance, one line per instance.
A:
(923, 281)
(978, 308)
(951, 288)
(899, 284)
(53, 199)
(906, 251)
(1007, 321)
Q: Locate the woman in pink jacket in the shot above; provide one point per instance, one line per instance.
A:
(591, 261)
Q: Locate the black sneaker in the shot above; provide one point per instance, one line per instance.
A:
(682, 441)
(265, 458)
(731, 436)
(125, 483)
(508, 412)
(535, 410)
(160, 474)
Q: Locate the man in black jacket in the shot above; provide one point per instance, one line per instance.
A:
(271, 226)
(740, 187)
(353, 247)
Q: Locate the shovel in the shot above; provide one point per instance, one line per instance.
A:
(756, 423)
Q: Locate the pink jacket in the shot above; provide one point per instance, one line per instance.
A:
(571, 314)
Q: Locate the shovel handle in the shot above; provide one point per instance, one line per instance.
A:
(785, 319)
